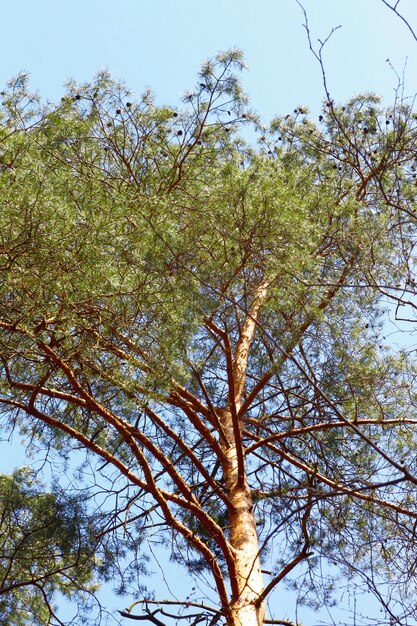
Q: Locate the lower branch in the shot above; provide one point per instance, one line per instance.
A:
(208, 612)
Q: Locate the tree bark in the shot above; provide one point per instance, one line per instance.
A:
(245, 609)
(243, 536)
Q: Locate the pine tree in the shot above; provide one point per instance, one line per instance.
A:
(200, 303)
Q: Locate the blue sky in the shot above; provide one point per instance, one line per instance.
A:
(161, 43)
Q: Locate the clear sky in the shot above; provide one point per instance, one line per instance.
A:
(161, 43)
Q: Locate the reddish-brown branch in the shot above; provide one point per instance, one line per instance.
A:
(175, 524)
(304, 552)
(161, 496)
(331, 293)
(338, 488)
(187, 451)
(129, 434)
(296, 432)
(232, 408)
(350, 424)
(194, 402)
(75, 434)
(209, 402)
(176, 400)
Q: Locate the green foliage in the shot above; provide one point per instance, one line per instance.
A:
(46, 546)
(134, 239)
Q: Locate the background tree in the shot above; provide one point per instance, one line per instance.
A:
(206, 319)
(46, 545)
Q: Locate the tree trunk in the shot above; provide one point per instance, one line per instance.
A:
(245, 608)
(243, 536)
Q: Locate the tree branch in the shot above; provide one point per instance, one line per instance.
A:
(406, 22)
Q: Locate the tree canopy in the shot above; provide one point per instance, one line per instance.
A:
(46, 546)
(202, 304)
